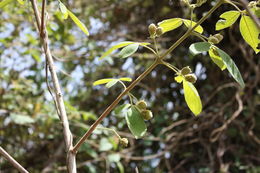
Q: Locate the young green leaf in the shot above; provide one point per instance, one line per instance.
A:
(63, 10)
(128, 50)
(120, 45)
(20, 2)
(135, 122)
(111, 83)
(170, 24)
(78, 22)
(121, 108)
(127, 79)
(250, 32)
(189, 24)
(197, 48)
(179, 79)
(231, 66)
(192, 97)
(5, 2)
(217, 59)
(228, 19)
(102, 81)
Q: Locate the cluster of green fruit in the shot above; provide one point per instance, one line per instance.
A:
(215, 39)
(155, 31)
(145, 113)
(188, 75)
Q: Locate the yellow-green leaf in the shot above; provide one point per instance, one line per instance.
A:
(20, 2)
(102, 81)
(217, 59)
(179, 79)
(228, 19)
(170, 24)
(192, 98)
(189, 24)
(250, 32)
(63, 10)
(120, 45)
(5, 2)
(78, 22)
(111, 83)
(127, 79)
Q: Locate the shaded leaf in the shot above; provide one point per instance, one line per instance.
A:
(197, 48)
(128, 50)
(135, 122)
(228, 19)
(121, 108)
(188, 23)
(111, 83)
(231, 66)
(170, 24)
(217, 59)
(78, 22)
(250, 32)
(192, 97)
(120, 167)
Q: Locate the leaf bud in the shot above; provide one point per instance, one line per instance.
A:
(124, 142)
(147, 114)
(159, 31)
(191, 78)
(185, 70)
(141, 104)
(152, 29)
(213, 40)
(219, 37)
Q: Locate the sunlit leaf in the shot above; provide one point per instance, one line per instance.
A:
(231, 66)
(5, 2)
(111, 83)
(250, 32)
(115, 157)
(170, 24)
(127, 79)
(197, 48)
(20, 2)
(63, 10)
(128, 50)
(135, 122)
(120, 45)
(21, 119)
(105, 145)
(78, 22)
(217, 59)
(179, 79)
(228, 19)
(102, 81)
(192, 97)
(188, 23)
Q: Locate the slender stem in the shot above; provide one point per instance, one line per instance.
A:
(155, 45)
(202, 37)
(113, 105)
(187, 34)
(12, 161)
(234, 5)
(175, 69)
(112, 130)
(149, 48)
(71, 158)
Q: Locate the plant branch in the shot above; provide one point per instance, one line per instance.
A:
(12, 161)
(71, 158)
(113, 105)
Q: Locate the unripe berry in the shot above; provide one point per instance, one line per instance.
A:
(147, 114)
(141, 104)
(191, 78)
(213, 40)
(185, 70)
(159, 31)
(219, 37)
(124, 142)
(152, 29)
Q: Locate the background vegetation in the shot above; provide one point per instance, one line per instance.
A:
(224, 138)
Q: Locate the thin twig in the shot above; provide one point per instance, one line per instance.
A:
(71, 158)
(12, 161)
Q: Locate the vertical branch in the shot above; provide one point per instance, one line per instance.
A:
(71, 157)
(12, 161)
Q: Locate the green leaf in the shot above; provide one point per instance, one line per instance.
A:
(135, 122)
(192, 97)
(111, 83)
(121, 108)
(231, 66)
(105, 145)
(5, 2)
(102, 81)
(250, 32)
(128, 50)
(63, 10)
(120, 45)
(20, 2)
(187, 23)
(217, 59)
(21, 119)
(78, 22)
(127, 79)
(170, 24)
(197, 48)
(114, 157)
(179, 79)
(120, 167)
(228, 19)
